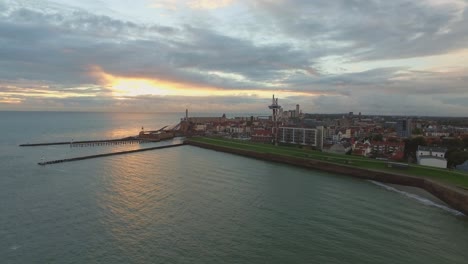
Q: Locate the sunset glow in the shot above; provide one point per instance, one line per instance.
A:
(122, 87)
(381, 57)
(136, 87)
(10, 100)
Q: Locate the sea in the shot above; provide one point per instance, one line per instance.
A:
(192, 205)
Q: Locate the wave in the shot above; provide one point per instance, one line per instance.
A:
(419, 199)
(14, 247)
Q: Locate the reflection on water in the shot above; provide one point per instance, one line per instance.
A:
(128, 197)
(121, 133)
(191, 205)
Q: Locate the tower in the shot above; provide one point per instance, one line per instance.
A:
(275, 108)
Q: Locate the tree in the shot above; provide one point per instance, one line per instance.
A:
(411, 145)
(465, 142)
(456, 157)
(250, 122)
(417, 131)
(377, 137)
(453, 143)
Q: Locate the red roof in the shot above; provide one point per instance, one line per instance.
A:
(261, 133)
(387, 143)
(359, 152)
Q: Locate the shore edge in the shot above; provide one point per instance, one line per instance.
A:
(457, 199)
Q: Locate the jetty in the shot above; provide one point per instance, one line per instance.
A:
(108, 154)
(104, 142)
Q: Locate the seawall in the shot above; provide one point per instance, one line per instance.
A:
(454, 197)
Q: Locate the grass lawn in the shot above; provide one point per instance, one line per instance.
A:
(456, 178)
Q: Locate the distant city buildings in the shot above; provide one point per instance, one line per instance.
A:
(382, 137)
(403, 128)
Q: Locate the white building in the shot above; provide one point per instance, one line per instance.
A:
(302, 136)
(338, 148)
(431, 156)
(200, 127)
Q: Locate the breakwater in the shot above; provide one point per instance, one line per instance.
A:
(107, 154)
(454, 197)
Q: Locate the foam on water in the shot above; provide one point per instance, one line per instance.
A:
(14, 247)
(419, 199)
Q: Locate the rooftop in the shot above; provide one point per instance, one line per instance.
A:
(433, 149)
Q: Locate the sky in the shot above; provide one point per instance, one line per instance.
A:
(399, 57)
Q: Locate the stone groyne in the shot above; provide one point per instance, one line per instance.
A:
(454, 197)
(107, 154)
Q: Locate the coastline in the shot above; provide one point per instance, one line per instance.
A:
(452, 196)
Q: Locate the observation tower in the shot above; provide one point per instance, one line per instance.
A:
(275, 107)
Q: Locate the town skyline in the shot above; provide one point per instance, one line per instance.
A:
(380, 58)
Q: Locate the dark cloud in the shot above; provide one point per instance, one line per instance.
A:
(370, 29)
(60, 48)
(54, 50)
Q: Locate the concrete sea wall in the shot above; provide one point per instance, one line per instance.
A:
(454, 197)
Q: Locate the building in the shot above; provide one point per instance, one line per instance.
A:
(362, 149)
(389, 150)
(386, 147)
(261, 135)
(302, 136)
(431, 156)
(204, 120)
(338, 148)
(403, 128)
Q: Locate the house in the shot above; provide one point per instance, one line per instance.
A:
(431, 156)
(397, 155)
(362, 149)
(261, 135)
(387, 149)
(431, 151)
(339, 148)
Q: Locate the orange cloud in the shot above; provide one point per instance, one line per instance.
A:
(124, 86)
(10, 100)
(16, 92)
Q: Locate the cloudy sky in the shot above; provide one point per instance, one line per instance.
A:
(330, 56)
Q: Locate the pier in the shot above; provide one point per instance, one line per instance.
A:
(88, 143)
(108, 154)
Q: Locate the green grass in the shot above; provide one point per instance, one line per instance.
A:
(441, 175)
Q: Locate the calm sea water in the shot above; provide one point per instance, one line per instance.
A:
(191, 205)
